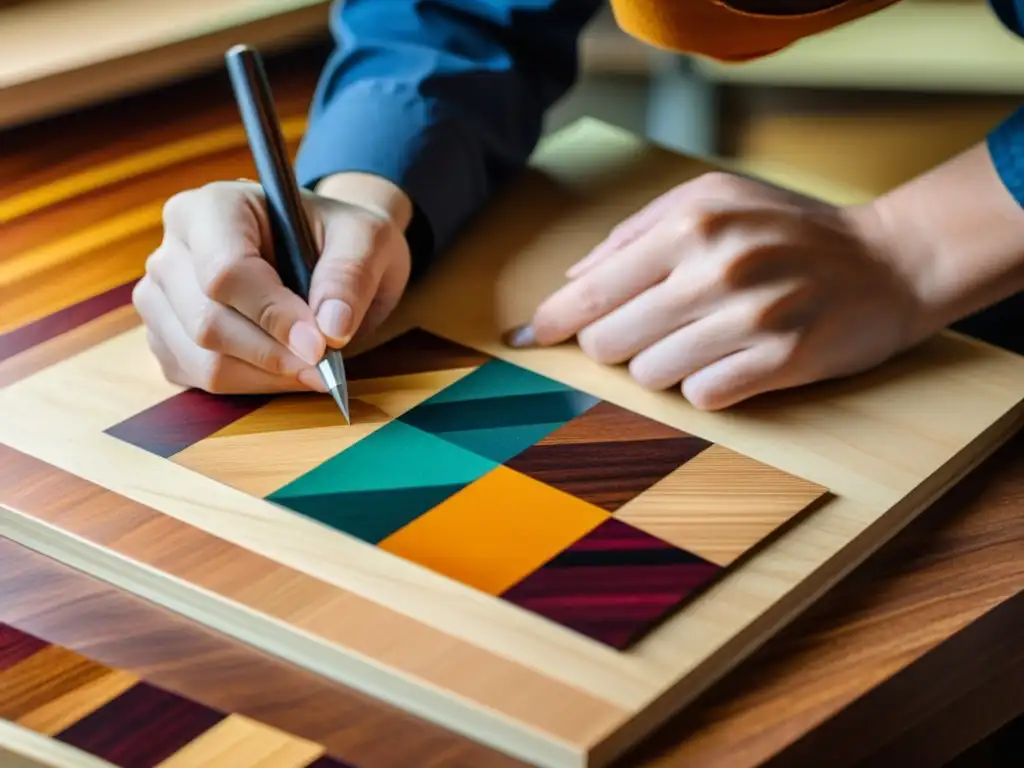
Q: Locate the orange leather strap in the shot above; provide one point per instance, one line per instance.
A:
(714, 29)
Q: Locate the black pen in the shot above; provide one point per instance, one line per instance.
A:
(294, 248)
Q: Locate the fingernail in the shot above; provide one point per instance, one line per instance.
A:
(521, 337)
(305, 341)
(335, 320)
(312, 379)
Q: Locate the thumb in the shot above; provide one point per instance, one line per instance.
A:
(357, 272)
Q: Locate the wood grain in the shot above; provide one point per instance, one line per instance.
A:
(53, 350)
(105, 628)
(85, 143)
(912, 659)
(310, 605)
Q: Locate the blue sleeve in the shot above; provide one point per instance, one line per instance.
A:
(1006, 141)
(445, 98)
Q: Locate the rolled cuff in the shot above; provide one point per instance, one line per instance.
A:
(1006, 148)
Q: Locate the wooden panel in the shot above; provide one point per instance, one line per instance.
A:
(50, 605)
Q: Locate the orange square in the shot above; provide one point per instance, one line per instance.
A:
(495, 531)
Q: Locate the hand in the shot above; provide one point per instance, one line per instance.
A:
(217, 315)
(731, 288)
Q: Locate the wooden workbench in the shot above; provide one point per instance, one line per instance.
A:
(892, 665)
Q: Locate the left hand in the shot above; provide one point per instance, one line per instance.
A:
(732, 288)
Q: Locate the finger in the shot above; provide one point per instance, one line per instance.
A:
(745, 374)
(189, 365)
(216, 327)
(625, 233)
(680, 299)
(604, 288)
(691, 348)
(224, 233)
(357, 266)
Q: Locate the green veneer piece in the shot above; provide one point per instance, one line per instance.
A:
(497, 378)
(500, 443)
(371, 515)
(395, 456)
(383, 482)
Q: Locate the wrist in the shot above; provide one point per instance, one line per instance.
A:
(954, 235)
(373, 193)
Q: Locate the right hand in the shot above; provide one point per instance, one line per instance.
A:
(216, 313)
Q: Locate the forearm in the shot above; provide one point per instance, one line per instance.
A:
(445, 102)
(958, 232)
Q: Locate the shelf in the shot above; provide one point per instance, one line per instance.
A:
(60, 54)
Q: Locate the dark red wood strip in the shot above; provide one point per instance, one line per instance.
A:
(607, 455)
(184, 419)
(49, 327)
(614, 584)
(16, 646)
(328, 762)
(141, 728)
(415, 351)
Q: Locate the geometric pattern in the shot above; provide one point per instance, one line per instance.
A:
(490, 474)
(112, 715)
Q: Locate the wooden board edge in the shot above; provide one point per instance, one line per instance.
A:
(280, 640)
(889, 524)
(22, 748)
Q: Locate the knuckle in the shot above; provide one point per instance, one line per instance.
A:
(703, 397)
(707, 222)
(270, 361)
(141, 294)
(718, 181)
(644, 374)
(208, 329)
(157, 265)
(210, 376)
(598, 346)
(217, 281)
(352, 280)
(273, 318)
(590, 298)
(178, 206)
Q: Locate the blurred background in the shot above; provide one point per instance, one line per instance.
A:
(865, 106)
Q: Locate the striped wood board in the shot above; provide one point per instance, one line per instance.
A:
(101, 642)
(517, 544)
(94, 715)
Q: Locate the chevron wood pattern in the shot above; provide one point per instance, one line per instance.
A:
(486, 480)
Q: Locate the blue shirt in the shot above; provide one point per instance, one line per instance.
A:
(447, 99)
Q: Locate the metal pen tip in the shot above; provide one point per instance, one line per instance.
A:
(340, 399)
(332, 370)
